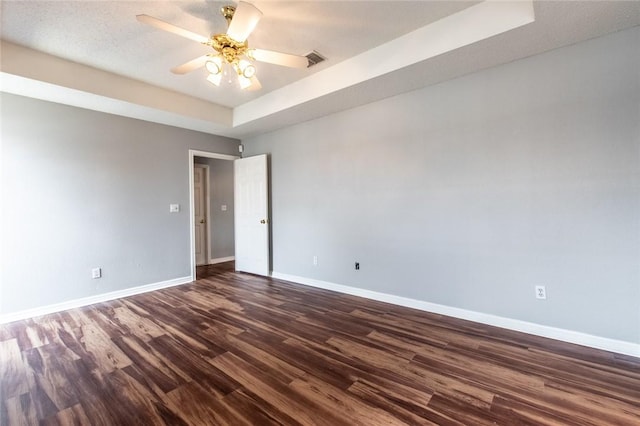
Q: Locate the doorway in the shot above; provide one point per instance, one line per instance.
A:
(211, 210)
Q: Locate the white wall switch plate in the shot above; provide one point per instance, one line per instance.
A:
(96, 273)
(223, 207)
(174, 208)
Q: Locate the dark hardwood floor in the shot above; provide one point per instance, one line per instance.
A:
(237, 349)
(215, 269)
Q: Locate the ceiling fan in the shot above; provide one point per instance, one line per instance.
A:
(230, 48)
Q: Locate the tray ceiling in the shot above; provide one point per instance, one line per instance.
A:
(357, 37)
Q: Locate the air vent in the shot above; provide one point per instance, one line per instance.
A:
(314, 58)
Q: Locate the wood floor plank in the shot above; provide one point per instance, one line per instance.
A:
(240, 349)
(195, 366)
(283, 371)
(350, 410)
(91, 342)
(74, 415)
(279, 395)
(406, 404)
(255, 410)
(97, 397)
(12, 370)
(521, 412)
(18, 411)
(199, 407)
(196, 406)
(141, 406)
(141, 327)
(582, 403)
(154, 368)
(32, 335)
(563, 370)
(52, 374)
(184, 329)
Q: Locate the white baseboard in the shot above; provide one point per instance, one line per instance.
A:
(85, 301)
(569, 336)
(221, 260)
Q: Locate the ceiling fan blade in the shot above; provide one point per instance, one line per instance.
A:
(277, 58)
(191, 65)
(165, 26)
(245, 19)
(255, 84)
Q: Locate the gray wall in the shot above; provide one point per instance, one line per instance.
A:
(471, 192)
(221, 242)
(83, 189)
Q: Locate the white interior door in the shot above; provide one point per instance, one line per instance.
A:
(200, 214)
(251, 215)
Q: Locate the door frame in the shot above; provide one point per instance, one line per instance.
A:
(207, 214)
(192, 226)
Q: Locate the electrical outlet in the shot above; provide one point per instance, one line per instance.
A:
(357, 266)
(315, 260)
(541, 292)
(96, 273)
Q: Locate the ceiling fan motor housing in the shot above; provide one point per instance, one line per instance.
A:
(230, 49)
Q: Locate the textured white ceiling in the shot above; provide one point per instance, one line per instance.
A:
(105, 35)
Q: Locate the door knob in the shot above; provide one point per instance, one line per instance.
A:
(201, 220)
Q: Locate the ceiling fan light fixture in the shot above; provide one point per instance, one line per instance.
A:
(214, 65)
(246, 68)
